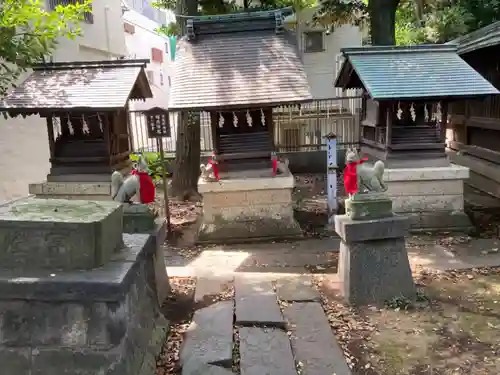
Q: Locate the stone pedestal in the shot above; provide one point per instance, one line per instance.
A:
(432, 198)
(243, 208)
(373, 262)
(72, 190)
(104, 320)
(138, 218)
(59, 234)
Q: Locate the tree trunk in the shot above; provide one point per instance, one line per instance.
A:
(187, 148)
(383, 21)
(187, 156)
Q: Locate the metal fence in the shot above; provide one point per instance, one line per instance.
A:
(297, 128)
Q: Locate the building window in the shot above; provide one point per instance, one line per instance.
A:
(313, 41)
(156, 55)
(150, 75)
(88, 17)
(129, 28)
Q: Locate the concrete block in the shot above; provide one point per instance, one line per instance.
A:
(416, 188)
(83, 322)
(427, 203)
(368, 230)
(59, 234)
(373, 272)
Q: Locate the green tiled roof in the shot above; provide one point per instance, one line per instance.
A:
(427, 71)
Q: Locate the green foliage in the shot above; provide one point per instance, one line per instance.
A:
(29, 33)
(340, 12)
(153, 160)
(442, 21)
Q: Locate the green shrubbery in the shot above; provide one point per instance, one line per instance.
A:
(155, 166)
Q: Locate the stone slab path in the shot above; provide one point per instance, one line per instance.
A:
(280, 327)
(296, 257)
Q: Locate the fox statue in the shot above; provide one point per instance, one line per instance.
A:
(139, 184)
(369, 179)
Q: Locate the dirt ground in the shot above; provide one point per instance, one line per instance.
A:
(452, 329)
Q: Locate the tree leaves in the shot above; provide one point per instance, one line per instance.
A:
(29, 33)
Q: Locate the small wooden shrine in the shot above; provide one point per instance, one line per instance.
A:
(239, 86)
(85, 105)
(406, 96)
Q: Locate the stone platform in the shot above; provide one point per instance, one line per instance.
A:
(72, 190)
(59, 234)
(432, 198)
(76, 295)
(373, 260)
(247, 207)
(102, 321)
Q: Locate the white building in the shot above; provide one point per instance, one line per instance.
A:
(144, 42)
(24, 142)
(320, 51)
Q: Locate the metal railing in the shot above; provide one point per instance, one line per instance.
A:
(298, 128)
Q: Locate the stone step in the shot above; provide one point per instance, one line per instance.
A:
(313, 342)
(297, 289)
(198, 368)
(209, 338)
(266, 351)
(256, 302)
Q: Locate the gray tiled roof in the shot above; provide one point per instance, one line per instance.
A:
(238, 69)
(104, 85)
(482, 38)
(430, 71)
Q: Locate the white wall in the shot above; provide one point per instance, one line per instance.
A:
(102, 40)
(23, 142)
(321, 67)
(140, 43)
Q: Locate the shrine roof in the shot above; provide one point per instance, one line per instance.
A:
(426, 71)
(238, 61)
(96, 85)
(484, 37)
(158, 100)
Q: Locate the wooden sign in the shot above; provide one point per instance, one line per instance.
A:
(158, 123)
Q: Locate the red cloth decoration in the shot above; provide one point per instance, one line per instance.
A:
(215, 168)
(147, 186)
(274, 159)
(351, 177)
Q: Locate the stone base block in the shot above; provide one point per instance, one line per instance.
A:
(248, 209)
(373, 261)
(259, 229)
(72, 190)
(366, 207)
(59, 234)
(138, 218)
(451, 221)
(426, 193)
(102, 321)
